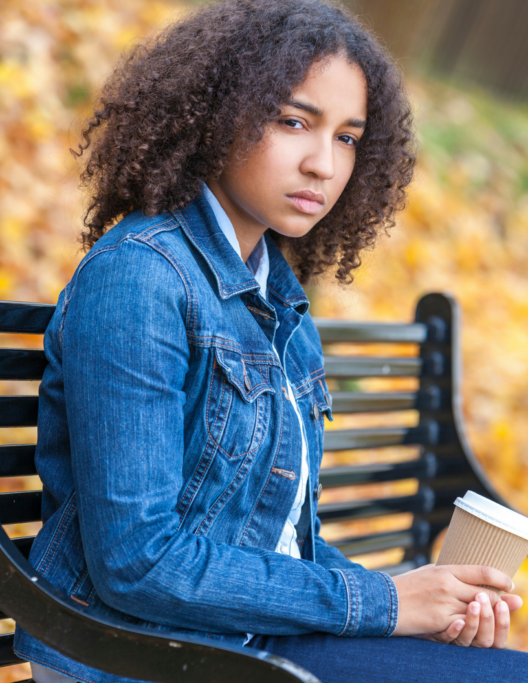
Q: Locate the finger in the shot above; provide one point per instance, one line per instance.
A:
(486, 632)
(448, 635)
(453, 631)
(466, 593)
(514, 602)
(470, 630)
(502, 625)
(478, 575)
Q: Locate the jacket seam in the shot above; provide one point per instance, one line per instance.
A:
(234, 288)
(258, 410)
(102, 250)
(390, 590)
(61, 528)
(153, 230)
(194, 484)
(230, 345)
(191, 297)
(80, 580)
(267, 480)
(67, 299)
(226, 495)
(300, 297)
(349, 604)
(52, 666)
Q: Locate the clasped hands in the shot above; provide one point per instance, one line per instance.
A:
(446, 604)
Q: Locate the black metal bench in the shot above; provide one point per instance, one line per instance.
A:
(444, 469)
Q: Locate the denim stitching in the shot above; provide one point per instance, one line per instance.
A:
(197, 478)
(77, 586)
(153, 230)
(349, 603)
(230, 345)
(357, 602)
(295, 298)
(226, 495)
(185, 280)
(267, 481)
(55, 668)
(63, 524)
(258, 410)
(234, 288)
(389, 588)
(67, 299)
(81, 579)
(257, 445)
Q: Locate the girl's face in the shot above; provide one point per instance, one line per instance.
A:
(310, 148)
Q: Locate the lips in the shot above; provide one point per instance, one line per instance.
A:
(307, 201)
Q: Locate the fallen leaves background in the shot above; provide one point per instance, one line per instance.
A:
(465, 229)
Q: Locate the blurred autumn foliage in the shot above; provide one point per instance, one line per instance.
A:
(465, 229)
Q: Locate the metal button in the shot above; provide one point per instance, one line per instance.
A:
(316, 412)
(319, 491)
(247, 382)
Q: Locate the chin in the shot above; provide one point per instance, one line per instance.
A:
(292, 230)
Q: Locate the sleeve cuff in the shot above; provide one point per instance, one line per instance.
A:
(372, 603)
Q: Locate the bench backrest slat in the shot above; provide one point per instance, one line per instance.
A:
(20, 507)
(7, 656)
(363, 366)
(336, 331)
(17, 461)
(25, 318)
(18, 411)
(26, 364)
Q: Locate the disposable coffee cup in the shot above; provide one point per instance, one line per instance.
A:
(486, 533)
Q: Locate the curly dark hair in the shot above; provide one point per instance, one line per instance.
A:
(172, 109)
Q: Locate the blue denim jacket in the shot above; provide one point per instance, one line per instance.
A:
(169, 450)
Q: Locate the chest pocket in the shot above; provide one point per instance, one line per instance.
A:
(238, 404)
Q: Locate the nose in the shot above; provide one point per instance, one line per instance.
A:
(319, 159)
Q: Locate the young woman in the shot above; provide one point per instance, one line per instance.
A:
(181, 415)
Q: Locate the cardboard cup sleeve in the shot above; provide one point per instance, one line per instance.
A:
(485, 533)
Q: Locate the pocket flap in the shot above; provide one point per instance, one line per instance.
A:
(249, 378)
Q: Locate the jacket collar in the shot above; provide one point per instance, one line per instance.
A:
(199, 223)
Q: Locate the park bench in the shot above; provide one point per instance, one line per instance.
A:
(444, 469)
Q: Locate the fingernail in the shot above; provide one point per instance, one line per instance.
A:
(502, 606)
(483, 598)
(459, 625)
(513, 587)
(474, 608)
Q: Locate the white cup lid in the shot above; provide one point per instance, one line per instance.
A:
(495, 514)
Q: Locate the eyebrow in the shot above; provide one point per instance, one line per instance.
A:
(312, 109)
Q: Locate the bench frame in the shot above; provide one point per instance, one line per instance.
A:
(445, 469)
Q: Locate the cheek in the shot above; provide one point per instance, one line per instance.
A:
(344, 171)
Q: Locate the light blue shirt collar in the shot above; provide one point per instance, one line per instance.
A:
(258, 261)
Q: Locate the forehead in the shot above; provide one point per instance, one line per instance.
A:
(336, 86)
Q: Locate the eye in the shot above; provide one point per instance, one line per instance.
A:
(288, 121)
(352, 142)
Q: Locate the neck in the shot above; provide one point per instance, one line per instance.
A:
(247, 229)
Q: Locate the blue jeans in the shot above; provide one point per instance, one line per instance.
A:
(395, 660)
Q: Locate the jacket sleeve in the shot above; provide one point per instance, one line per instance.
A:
(125, 360)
